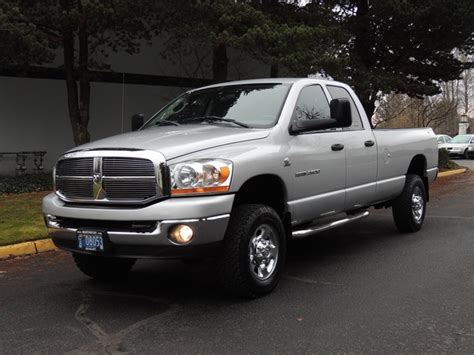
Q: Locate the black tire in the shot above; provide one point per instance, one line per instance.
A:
(406, 213)
(103, 268)
(236, 272)
(466, 154)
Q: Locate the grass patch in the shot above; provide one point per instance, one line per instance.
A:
(21, 218)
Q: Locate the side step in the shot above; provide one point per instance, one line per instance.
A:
(301, 233)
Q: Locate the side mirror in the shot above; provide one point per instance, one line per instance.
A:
(299, 126)
(137, 121)
(341, 112)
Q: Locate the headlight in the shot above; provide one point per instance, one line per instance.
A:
(200, 176)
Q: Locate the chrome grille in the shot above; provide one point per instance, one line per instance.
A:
(129, 189)
(75, 188)
(111, 177)
(75, 167)
(128, 167)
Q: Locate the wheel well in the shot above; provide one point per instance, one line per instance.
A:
(266, 189)
(269, 190)
(418, 167)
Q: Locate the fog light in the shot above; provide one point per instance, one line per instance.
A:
(181, 234)
(51, 221)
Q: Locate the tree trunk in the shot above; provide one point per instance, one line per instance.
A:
(71, 85)
(368, 101)
(78, 105)
(274, 70)
(362, 42)
(219, 63)
(84, 81)
(363, 57)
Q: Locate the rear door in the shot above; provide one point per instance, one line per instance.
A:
(361, 156)
(318, 171)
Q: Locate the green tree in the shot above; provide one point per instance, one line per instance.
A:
(84, 32)
(302, 39)
(214, 25)
(19, 39)
(403, 46)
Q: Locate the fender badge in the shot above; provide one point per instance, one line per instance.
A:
(309, 172)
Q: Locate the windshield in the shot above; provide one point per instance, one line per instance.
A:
(253, 105)
(461, 139)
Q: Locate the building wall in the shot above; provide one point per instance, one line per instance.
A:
(34, 114)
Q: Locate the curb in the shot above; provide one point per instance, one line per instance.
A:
(452, 172)
(26, 248)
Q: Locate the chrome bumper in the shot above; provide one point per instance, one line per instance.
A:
(206, 230)
(208, 217)
(432, 174)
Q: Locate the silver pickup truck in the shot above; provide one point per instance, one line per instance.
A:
(233, 171)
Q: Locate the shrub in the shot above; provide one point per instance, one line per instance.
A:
(443, 160)
(26, 183)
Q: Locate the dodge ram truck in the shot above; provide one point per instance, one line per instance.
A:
(234, 171)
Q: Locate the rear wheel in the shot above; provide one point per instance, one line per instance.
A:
(254, 251)
(409, 208)
(466, 154)
(103, 268)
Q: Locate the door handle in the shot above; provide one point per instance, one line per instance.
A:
(337, 147)
(369, 143)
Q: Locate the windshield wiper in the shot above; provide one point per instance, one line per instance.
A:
(215, 119)
(166, 123)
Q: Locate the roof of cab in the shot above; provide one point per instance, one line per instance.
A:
(269, 81)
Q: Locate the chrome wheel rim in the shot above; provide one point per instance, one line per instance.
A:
(263, 252)
(417, 204)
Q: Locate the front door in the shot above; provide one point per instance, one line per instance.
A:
(318, 164)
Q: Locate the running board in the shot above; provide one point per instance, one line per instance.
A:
(301, 233)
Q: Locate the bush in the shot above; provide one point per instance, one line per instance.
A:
(443, 160)
(26, 183)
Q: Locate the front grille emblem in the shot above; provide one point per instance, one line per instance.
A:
(97, 180)
(112, 177)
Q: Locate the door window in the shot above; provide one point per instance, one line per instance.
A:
(338, 92)
(312, 104)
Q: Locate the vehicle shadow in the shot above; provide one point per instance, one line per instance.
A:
(178, 281)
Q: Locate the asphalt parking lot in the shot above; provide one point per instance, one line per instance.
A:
(361, 288)
(464, 162)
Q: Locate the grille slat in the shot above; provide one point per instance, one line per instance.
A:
(128, 167)
(75, 188)
(75, 167)
(114, 179)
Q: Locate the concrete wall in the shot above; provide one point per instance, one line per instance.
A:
(34, 114)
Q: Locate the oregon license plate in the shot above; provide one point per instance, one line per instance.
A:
(90, 240)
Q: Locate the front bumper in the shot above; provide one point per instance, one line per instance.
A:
(456, 152)
(208, 216)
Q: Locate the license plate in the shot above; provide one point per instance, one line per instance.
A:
(90, 240)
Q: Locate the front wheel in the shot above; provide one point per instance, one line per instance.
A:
(466, 154)
(409, 208)
(103, 268)
(254, 251)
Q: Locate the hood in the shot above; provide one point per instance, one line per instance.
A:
(174, 141)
